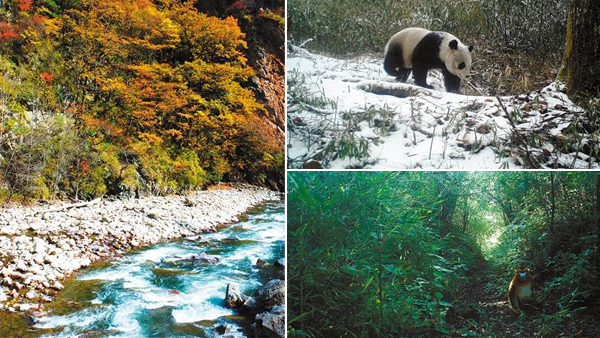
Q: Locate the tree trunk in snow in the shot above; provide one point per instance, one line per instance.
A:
(598, 222)
(581, 61)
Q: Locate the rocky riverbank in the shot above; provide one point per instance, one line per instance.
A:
(266, 306)
(42, 244)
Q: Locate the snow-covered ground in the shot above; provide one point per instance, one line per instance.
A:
(351, 114)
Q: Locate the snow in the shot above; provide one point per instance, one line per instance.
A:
(351, 114)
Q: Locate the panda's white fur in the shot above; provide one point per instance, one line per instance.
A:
(456, 59)
(452, 58)
(407, 38)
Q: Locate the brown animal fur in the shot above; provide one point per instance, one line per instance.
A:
(519, 289)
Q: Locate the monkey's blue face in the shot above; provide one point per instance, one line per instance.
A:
(522, 274)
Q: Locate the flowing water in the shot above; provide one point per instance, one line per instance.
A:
(153, 293)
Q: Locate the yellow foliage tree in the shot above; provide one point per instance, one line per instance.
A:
(167, 74)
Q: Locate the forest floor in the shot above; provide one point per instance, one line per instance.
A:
(485, 314)
(351, 114)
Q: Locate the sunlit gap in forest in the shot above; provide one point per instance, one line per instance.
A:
(431, 254)
(493, 239)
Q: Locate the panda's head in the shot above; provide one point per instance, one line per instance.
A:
(458, 59)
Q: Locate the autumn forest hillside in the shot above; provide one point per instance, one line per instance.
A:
(139, 96)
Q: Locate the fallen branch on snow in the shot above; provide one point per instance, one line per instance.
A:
(532, 162)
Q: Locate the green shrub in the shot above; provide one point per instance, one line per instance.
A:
(187, 171)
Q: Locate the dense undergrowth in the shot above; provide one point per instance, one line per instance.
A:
(404, 254)
(518, 44)
(113, 97)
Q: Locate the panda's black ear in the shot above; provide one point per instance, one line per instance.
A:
(453, 44)
(470, 48)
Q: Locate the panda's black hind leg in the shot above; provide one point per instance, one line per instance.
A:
(393, 64)
(451, 81)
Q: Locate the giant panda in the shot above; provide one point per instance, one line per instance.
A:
(420, 50)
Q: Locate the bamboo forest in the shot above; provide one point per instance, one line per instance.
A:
(432, 254)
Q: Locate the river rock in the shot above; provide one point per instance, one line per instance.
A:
(31, 294)
(34, 317)
(7, 281)
(251, 306)
(261, 264)
(51, 275)
(38, 258)
(53, 250)
(231, 239)
(154, 214)
(96, 334)
(223, 329)
(39, 246)
(204, 259)
(280, 263)
(22, 307)
(270, 324)
(21, 266)
(9, 230)
(84, 261)
(6, 272)
(271, 294)
(35, 280)
(35, 268)
(234, 298)
(57, 286)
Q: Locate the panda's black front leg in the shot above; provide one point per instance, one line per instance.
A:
(451, 81)
(420, 75)
(403, 74)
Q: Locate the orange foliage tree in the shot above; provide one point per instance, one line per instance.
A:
(167, 75)
(24, 5)
(8, 32)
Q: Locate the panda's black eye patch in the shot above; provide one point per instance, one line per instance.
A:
(461, 65)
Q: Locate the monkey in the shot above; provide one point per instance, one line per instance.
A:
(519, 289)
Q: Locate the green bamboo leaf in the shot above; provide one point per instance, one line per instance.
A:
(439, 268)
(300, 317)
(368, 283)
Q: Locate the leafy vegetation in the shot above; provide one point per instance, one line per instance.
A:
(114, 97)
(404, 254)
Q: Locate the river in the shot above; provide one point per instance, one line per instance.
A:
(155, 292)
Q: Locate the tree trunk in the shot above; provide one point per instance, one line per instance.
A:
(581, 61)
(553, 207)
(598, 222)
(508, 212)
(466, 214)
(447, 212)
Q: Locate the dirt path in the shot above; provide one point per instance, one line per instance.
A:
(486, 314)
